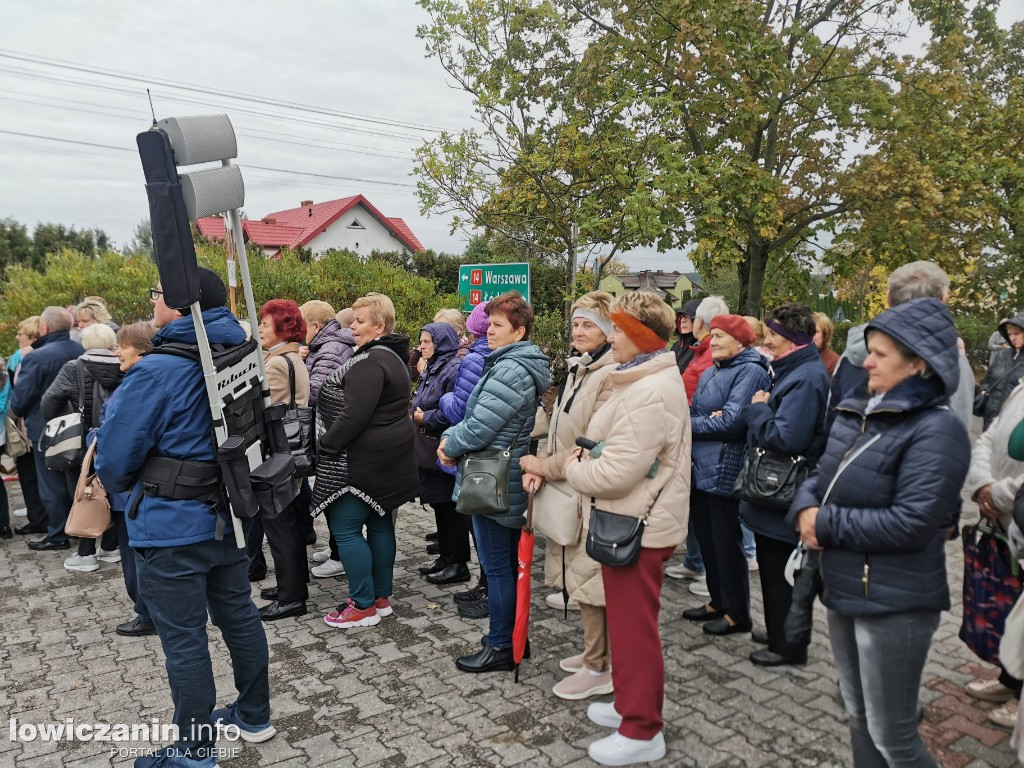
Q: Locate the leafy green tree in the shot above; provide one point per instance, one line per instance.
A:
(559, 164)
(141, 243)
(15, 245)
(51, 239)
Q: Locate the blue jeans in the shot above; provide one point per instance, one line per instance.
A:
(370, 562)
(128, 567)
(881, 660)
(749, 546)
(497, 549)
(53, 490)
(693, 558)
(180, 585)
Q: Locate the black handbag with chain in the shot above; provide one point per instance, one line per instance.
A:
(298, 428)
(770, 479)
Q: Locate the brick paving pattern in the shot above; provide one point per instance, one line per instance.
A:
(390, 696)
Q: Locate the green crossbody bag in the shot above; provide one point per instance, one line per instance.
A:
(484, 488)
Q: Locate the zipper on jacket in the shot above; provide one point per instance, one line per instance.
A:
(866, 578)
(850, 457)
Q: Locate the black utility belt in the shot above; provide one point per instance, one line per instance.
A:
(178, 480)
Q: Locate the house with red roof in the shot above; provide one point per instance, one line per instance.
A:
(351, 223)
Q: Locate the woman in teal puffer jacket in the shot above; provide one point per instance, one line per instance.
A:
(500, 413)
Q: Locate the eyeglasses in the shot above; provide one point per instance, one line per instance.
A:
(155, 293)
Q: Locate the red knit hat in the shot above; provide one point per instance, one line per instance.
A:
(736, 326)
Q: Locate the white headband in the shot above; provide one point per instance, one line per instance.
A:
(595, 318)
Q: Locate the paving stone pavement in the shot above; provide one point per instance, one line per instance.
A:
(390, 695)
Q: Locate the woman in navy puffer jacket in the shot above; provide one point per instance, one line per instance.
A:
(880, 506)
(789, 421)
(719, 443)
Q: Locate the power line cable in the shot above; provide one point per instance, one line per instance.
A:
(240, 164)
(262, 114)
(136, 119)
(269, 101)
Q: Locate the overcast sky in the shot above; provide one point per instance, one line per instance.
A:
(339, 56)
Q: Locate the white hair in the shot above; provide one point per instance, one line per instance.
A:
(711, 307)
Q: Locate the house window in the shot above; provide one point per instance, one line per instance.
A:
(356, 225)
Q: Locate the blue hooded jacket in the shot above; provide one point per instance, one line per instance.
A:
(453, 404)
(162, 410)
(719, 442)
(791, 423)
(439, 377)
(895, 472)
(503, 404)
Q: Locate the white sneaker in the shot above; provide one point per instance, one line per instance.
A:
(700, 588)
(108, 555)
(682, 572)
(752, 564)
(619, 750)
(554, 600)
(23, 512)
(1006, 715)
(603, 713)
(322, 555)
(989, 690)
(83, 563)
(328, 570)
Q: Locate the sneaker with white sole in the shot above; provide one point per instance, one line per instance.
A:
(383, 606)
(682, 572)
(1006, 715)
(555, 600)
(582, 684)
(989, 690)
(328, 570)
(321, 555)
(254, 734)
(83, 563)
(700, 588)
(603, 713)
(620, 750)
(572, 663)
(349, 615)
(108, 555)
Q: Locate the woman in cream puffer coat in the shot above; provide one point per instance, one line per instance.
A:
(585, 390)
(642, 471)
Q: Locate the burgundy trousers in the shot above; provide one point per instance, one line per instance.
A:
(633, 602)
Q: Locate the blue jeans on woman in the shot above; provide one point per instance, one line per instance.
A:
(497, 549)
(881, 660)
(369, 562)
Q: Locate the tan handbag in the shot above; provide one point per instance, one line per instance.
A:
(16, 444)
(90, 511)
(557, 513)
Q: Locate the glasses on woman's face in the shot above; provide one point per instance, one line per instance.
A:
(155, 293)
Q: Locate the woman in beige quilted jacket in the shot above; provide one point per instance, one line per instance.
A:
(642, 471)
(582, 394)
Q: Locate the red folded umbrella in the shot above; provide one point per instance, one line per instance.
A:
(521, 630)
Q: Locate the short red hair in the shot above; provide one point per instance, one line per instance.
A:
(515, 308)
(287, 319)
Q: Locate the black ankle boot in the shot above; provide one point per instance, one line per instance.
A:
(487, 660)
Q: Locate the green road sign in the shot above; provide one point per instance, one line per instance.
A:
(482, 282)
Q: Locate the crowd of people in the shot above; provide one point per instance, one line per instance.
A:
(745, 444)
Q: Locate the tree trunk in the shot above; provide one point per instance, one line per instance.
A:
(758, 264)
(743, 273)
(570, 272)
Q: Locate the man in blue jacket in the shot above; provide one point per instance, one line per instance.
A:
(186, 566)
(50, 351)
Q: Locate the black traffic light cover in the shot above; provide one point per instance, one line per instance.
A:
(172, 235)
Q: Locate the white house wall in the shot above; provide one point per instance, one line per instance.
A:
(373, 237)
